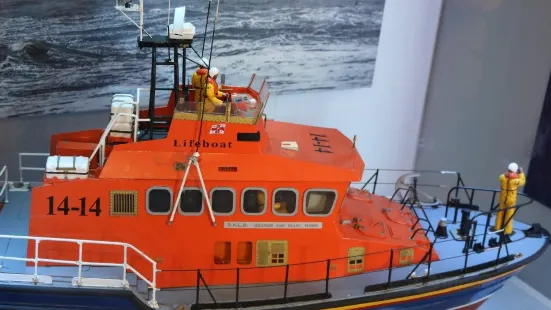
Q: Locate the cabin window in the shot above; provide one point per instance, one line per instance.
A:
(244, 253)
(285, 201)
(222, 252)
(253, 201)
(159, 200)
(223, 201)
(356, 259)
(319, 202)
(191, 201)
(271, 253)
(123, 203)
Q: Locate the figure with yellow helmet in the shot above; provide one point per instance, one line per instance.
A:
(510, 182)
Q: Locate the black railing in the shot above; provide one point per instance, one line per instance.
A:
(411, 202)
(375, 178)
(323, 283)
(470, 237)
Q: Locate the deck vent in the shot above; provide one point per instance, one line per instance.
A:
(289, 145)
(124, 203)
(227, 169)
(271, 252)
(248, 136)
(356, 259)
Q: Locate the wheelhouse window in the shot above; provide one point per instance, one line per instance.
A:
(285, 201)
(319, 202)
(159, 200)
(191, 201)
(253, 201)
(223, 201)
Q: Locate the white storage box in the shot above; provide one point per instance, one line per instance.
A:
(185, 33)
(123, 97)
(180, 29)
(67, 167)
(122, 130)
(122, 107)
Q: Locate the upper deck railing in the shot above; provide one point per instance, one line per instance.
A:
(235, 110)
(321, 287)
(79, 280)
(374, 180)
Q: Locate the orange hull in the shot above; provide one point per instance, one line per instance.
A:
(326, 160)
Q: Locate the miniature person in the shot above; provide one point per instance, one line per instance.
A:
(510, 182)
(261, 201)
(199, 79)
(280, 204)
(213, 74)
(214, 97)
(254, 202)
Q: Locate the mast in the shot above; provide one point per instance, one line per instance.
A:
(179, 35)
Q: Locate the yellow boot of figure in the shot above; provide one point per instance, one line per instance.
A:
(510, 182)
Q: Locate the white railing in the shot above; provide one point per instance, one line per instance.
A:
(5, 186)
(101, 144)
(133, 8)
(138, 90)
(22, 168)
(80, 281)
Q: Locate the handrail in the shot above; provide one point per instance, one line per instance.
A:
(5, 169)
(376, 174)
(125, 265)
(474, 222)
(475, 189)
(21, 168)
(135, 115)
(426, 259)
(101, 145)
(201, 283)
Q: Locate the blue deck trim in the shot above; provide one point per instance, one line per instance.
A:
(25, 297)
(15, 217)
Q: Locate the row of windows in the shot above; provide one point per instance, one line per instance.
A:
(268, 253)
(274, 253)
(317, 202)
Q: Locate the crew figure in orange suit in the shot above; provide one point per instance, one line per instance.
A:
(510, 182)
(198, 81)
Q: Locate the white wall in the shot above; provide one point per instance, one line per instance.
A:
(387, 116)
(488, 83)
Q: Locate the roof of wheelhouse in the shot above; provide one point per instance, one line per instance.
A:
(324, 154)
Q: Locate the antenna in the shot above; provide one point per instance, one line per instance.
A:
(206, 26)
(207, 79)
(127, 6)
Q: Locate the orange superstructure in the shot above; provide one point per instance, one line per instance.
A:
(279, 192)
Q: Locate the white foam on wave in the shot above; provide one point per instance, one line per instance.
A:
(296, 48)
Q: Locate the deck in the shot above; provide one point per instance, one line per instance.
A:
(14, 220)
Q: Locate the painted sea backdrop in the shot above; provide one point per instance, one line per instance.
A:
(65, 56)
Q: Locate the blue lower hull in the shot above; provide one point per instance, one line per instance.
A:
(456, 299)
(22, 297)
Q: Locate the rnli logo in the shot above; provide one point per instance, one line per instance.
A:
(217, 129)
(203, 144)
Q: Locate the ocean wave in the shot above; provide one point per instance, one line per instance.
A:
(73, 56)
